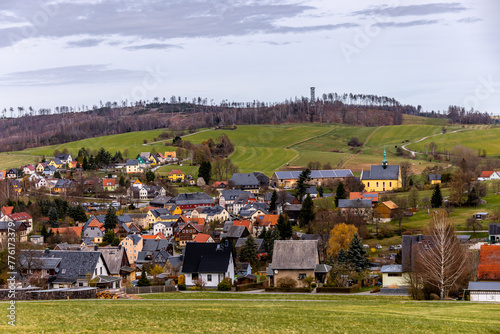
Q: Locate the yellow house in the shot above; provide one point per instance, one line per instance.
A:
(176, 175)
(56, 163)
(393, 276)
(133, 245)
(382, 177)
(435, 178)
(154, 160)
(174, 209)
(39, 168)
(163, 215)
(169, 155)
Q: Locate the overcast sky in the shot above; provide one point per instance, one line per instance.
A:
(80, 52)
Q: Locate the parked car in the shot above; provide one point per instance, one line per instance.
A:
(378, 247)
(391, 247)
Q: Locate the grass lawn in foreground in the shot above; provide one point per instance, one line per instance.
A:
(342, 315)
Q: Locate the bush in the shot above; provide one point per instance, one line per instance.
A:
(354, 142)
(313, 285)
(375, 289)
(224, 285)
(199, 284)
(433, 296)
(286, 283)
(181, 287)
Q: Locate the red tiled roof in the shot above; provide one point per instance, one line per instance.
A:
(201, 237)
(489, 263)
(108, 182)
(65, 230)
(19, 216)
(486, 173)
(267, 220)
(158, 235)
(245, 223)
(7, 210)
(175, 171)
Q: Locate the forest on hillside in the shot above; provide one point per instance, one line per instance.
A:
(65, 124)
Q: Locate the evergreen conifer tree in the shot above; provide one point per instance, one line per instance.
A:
(342, 257)
(274, 198)
(143, 281)
(284, 227)
(306, 214)
(248, 252)
(437, 198)
(341, 193)
(356, 255)
(111, 220)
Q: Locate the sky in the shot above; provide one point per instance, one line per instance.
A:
(80, 52)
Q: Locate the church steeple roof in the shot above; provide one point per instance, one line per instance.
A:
(384, 162)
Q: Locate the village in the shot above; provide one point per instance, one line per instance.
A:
(252, 232)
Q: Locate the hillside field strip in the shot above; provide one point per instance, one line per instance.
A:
(254, 313)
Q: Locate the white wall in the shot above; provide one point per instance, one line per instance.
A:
(476, 296)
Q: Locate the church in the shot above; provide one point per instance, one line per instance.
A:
(382, 177)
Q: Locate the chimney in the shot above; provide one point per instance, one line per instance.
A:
(46, 251)
(95, 247)
(119, 246)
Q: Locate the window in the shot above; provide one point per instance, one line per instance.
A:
(80, 284)
(395, 274)
(383, 184)
(368, 184)
(390, 184)
(101, 270)
(194, 276)
(209, 278)
(377, 184)
(302, 276)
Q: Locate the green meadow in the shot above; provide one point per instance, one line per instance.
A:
(243, 313)
(268, 148)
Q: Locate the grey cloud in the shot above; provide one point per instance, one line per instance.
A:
(469, 20)
(84, 43)
(70, 75)
(405, 24)
(413, 10)
(314, 28)
(154, 19)
(153, 46)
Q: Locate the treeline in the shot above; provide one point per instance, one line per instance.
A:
(65, 124)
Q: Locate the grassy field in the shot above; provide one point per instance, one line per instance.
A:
(268, 148)
(273, 314)
(486, 138)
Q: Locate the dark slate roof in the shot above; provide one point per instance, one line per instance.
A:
(355, 203)
(250, 209)
(243, 197)
(66, 246)
(322, 268)
(160, 200)
(295, 254)
(244, 179)
(151, 245)
(212, 210)
(135, 238)
(113, 257)
(494, 229)
(227, 226)
(74, 264)
(241, 241)
(57, 161)
(263, 179)
(292, 207)
(434, 177)
(231, 195)
(487, 286)
(206, 257)
(236, 232)
(132, 162)
(63, 156)
(378, 172)
(316, 174)
(192, 199)
(312, 190)
(305, 236)
(175, 261)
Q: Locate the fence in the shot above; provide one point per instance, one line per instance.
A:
(150, 289)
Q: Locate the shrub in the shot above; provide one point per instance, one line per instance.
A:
(434, 296)
(286, 283)
(224, 285)
(313, 285)
(182, 279)
(199, 284)
(375, 289)
(355, 142)
(181, 287)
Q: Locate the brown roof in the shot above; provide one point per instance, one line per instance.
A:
(390, 204)
(295, 254)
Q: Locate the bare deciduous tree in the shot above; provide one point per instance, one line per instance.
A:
(442, 260)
